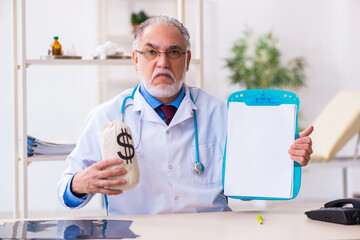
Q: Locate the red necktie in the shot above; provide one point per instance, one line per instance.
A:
(169, 112)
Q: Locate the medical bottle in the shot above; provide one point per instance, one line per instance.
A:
(55, 48)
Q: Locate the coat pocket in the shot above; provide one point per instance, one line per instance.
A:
(211, 157)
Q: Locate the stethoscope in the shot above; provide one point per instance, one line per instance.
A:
(197, 167)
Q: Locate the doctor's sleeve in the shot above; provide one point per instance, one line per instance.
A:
(70, 199)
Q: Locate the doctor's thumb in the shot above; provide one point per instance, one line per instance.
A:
(306, 132)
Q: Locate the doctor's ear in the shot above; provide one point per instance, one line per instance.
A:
(135, 58)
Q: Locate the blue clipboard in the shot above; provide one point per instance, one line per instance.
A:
(268, 97)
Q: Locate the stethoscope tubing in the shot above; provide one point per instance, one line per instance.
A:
(197, 167)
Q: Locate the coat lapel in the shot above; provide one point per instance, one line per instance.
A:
(147, 113)
(184, 112)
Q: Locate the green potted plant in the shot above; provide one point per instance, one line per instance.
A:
(255, 63)
(137, 19)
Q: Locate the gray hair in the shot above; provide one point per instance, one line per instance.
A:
(161, 20)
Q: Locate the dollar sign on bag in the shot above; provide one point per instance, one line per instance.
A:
(123, 140)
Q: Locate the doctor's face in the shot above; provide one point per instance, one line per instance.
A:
(162, 60)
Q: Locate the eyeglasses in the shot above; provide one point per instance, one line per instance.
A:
(153, 53)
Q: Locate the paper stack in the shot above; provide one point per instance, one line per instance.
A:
(38, 147)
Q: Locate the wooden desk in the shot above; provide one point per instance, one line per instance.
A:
(239, 225)
(277, 224)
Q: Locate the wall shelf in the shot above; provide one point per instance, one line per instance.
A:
(46, 158)
(87, 62)
(21, 63)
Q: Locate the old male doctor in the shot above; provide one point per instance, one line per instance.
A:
(165, 145)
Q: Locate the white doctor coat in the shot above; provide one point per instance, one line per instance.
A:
(165, 154)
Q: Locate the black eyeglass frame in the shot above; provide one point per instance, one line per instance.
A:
(159, 52)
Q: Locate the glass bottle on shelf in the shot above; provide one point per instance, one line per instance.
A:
(55, 48)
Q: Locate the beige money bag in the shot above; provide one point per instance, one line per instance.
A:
(117, 142)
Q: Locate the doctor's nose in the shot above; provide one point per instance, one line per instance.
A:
(163, 60)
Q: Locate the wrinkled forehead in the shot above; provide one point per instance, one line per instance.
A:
(162, 36)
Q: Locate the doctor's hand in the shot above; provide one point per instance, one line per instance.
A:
(94, 179)
(301, 150)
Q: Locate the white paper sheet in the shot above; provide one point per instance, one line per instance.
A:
(257, 159)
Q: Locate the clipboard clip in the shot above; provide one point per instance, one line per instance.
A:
(263, 99)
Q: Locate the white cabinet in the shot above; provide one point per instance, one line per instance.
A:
(109, 15)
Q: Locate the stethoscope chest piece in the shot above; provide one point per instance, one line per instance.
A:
(197, 168)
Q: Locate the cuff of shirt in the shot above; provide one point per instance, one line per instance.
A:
(70, 199)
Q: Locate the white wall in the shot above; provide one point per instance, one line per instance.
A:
(322, 31)
(325, 32)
